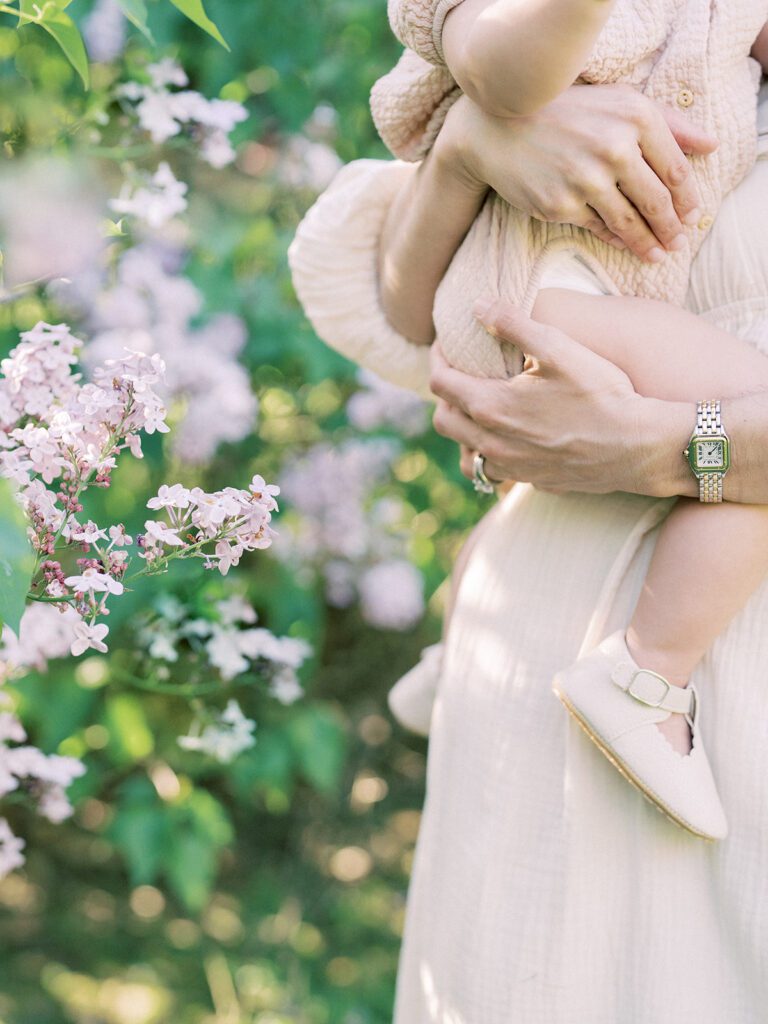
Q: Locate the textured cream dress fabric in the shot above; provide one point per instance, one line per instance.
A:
(545, 890)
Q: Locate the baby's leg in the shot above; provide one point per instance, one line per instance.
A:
(709, 558)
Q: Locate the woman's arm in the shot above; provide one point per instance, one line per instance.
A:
(574, 422)
(514, 56)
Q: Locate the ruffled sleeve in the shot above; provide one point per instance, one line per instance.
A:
(334, 265)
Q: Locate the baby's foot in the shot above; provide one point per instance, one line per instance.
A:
(675, 728)
(677, 732)
(620, 705)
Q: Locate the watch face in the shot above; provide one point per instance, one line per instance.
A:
(710, 454)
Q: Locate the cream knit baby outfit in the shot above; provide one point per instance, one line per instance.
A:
(690, 54)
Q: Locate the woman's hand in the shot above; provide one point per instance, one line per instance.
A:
(570, 422)
(603, 157)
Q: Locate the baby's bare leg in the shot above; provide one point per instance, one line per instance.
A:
(709, 558)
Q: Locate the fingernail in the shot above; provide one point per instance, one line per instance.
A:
(692, 217)
(678, 244)
(482, 307)
(656, 255)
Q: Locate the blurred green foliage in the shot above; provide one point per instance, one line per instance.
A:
(273, 890)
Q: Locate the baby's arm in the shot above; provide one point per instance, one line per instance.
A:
(760, 48)
(425, 226)
(512, 57)
(667, 352)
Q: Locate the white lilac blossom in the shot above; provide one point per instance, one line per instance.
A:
(227, 642)
(381, 404)
(44, 777)
(285, 686)
(392, 595)
(11, 846)
(222, 736)
(104, 31)
(151, 309)
(164, 112)
(153, 199)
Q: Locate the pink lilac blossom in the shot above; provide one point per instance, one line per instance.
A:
(47, 632)
(68, 435)
(381, 404)
(342, 529)
(104, 31)
(392, 595)
(89, 637)
(51, 213)
(307, 164)
(150, 308)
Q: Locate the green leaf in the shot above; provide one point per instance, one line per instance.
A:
(114, 228)
(190, 866)
(131, 738)
(136, 12)
(195, 11)
(17, 560)
(319, 744)
(141, 834)
(59, 25)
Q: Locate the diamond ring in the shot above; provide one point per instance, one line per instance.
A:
(480, 481)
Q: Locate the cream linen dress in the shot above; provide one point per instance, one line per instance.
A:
(545, 890)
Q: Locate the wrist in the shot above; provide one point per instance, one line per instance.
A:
(453, 155)
(661, 433)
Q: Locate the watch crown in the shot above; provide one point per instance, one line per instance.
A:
(686, 452)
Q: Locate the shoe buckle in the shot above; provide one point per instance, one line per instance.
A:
(644, 699)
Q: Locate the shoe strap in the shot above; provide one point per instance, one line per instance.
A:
(654, 690)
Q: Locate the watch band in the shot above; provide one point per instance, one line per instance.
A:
(709, 423)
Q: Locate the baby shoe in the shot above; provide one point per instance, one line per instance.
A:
(411, 698)
(618, 704)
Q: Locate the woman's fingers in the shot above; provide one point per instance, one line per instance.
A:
(457, 389)
(653, 201)
(548, 345)
(623, 219)
(594, 222)
(664, 142)
(452, 422)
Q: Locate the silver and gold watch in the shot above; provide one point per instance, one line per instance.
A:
(709, 451)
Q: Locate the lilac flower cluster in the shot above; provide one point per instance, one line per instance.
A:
(343, 528)
(59, 436)
(226, 641)
(151, 307)
(163, 111)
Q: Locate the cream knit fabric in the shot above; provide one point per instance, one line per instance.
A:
(692, 54)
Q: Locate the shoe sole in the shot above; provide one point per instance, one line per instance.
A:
(627, 772)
